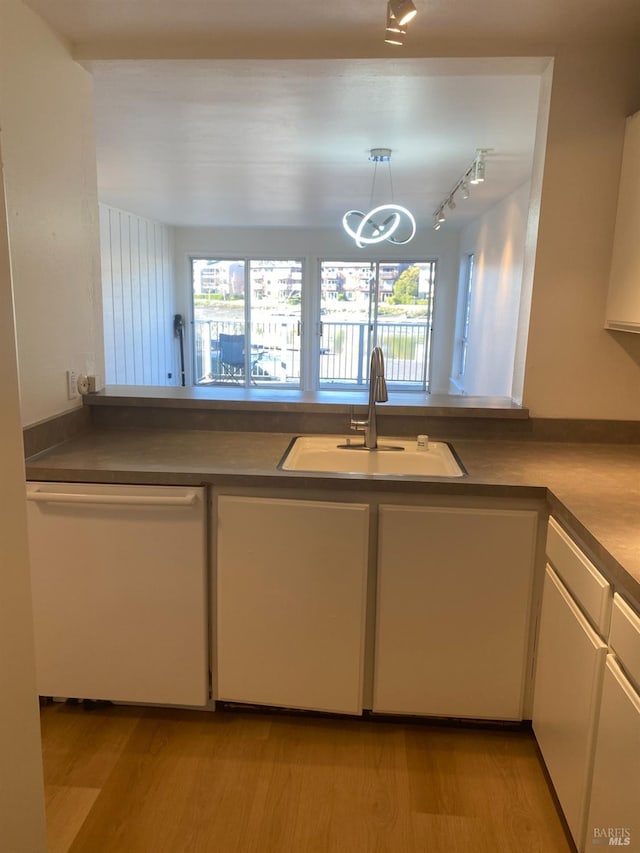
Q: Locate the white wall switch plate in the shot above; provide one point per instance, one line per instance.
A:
(72, 384)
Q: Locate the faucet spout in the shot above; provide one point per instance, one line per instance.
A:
(377, 394)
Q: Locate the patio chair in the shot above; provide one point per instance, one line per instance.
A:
(232, 356)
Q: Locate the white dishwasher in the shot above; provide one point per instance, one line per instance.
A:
(119, 587)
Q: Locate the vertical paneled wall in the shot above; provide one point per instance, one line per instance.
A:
(138, 300)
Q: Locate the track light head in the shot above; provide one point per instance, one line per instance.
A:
(477, 172)
(403, 11)
(464, 189)
(392, 25)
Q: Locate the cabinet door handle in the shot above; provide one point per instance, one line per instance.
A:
(123, 500)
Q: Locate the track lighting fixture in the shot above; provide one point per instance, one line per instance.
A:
(394, 33)
(399, 14)
(403, 11)
(392, 25)
(390, 221)
(477, 170)
(474, 175)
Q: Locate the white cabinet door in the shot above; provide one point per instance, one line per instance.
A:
(569, 668)
(119, 592)
(291, 586)
(454, 597)
(615, 793)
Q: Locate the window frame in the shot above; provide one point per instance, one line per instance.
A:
(465, 313)
(310, 321)
(373, 313)
(248, 379)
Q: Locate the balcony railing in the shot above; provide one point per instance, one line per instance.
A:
(344, 353)
(274, 352)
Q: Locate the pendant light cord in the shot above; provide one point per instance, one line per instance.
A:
(373, 185)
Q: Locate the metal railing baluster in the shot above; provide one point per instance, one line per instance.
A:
(343, 361)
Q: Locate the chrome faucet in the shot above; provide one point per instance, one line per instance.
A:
(377, 394)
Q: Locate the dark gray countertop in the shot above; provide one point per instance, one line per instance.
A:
(593, 488)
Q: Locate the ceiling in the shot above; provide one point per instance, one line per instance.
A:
(203, 118)
(286, 143)
(99, 25)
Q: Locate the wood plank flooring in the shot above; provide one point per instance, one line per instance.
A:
(134, 780)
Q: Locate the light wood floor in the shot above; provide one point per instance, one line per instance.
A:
(131, 780)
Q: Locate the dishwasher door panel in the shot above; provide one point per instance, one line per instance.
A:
(119, 592)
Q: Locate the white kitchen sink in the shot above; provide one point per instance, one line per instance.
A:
(392, 457)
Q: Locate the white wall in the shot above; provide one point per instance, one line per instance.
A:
(574, 367)
(22, 822)
(138, 300)
(497, 242)
(313, 246)
(46, 112)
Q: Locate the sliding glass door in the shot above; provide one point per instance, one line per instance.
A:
(368, 304)
(247, 321)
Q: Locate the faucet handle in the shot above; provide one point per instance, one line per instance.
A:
(357, 424)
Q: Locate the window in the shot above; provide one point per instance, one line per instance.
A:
(466, 314)
(246, 320)
(368, 304)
